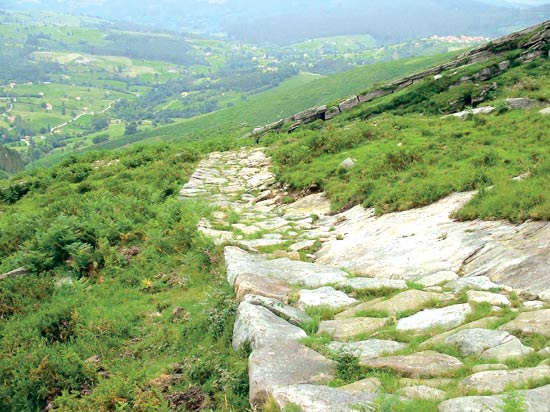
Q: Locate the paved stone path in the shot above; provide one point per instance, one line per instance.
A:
(411, 329)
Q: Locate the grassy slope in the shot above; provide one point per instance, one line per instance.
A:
(409, 157)
(290, 97)
(148, 291)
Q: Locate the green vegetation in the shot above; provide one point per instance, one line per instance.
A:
(409, 157)
(126, 307)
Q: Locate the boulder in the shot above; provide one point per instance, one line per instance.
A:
(239, 262)
(504, 65)
(440, 338)
(348, 164)
(325, 297)
(348, 104)
(495, 299)
(418, 365)
(348, 328)
(283, 364)
(258, 327)
(444, 318)
(522, 103)
(499, 381)
(290, 314)
(545, 112)
(424, 393)
(376, 94)
(249, 284)
(331, 113)
(488, 344)
(367, 349)
(309, 115)
(15, 273)
(530, 322)
(535, 400)
(314, 398)
(371, 385)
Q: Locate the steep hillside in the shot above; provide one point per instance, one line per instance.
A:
(121, 291)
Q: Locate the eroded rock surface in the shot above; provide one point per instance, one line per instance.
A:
(417, 365)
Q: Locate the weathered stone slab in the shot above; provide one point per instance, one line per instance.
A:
(325, 296)
(418, 365)
(472, 112)
(498, 381)
(440, 338)
(488, 344)
(495, 299)
(475, 282)
(367, 349)
(348, 328)
(371, 385)
(423, 393)
(438, 278)
(420, 242)
(285, 364)
(258, 326)
(522, 103)
(311, 398)
(530, 322)
(545, 111)
(290, 314)
(534, 400)
(445, 318)
(490, 367)
(360, 283)
(355, 310)
(239, 262)
(248, 284)
(348, 104)
(410, 300)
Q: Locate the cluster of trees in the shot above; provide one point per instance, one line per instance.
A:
(10, 160)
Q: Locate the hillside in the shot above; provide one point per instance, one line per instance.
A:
(386, 252)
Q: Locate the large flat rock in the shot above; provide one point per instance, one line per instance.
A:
(488, 344)
(312, 398)
(420, 242)
(534, 400)
(499, 381)
(284, 364)
(444, 318)
(418, 365)
(531, 322)
(342, 329)
(239, 262)
(258, 326)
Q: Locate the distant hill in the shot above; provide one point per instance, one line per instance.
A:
(283, 23)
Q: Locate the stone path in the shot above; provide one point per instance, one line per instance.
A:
(316, 290)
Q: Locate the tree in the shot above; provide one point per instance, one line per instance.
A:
(131, 128)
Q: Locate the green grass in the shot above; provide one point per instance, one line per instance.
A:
(148, 295)
(408, 160)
